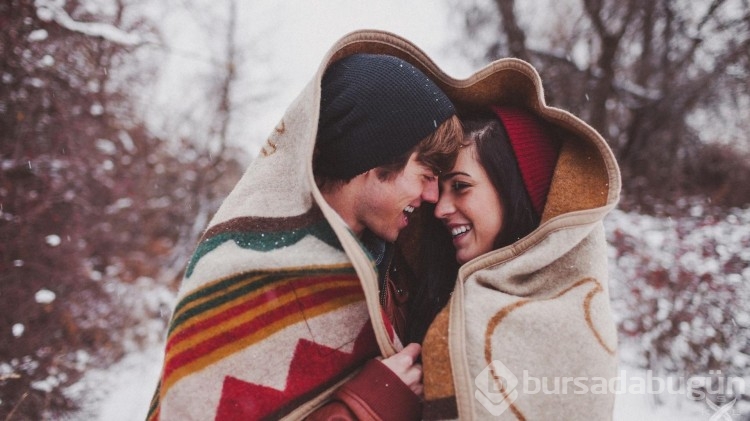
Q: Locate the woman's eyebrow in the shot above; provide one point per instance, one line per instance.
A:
(455, 173)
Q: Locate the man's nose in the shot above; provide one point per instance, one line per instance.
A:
(431, 192)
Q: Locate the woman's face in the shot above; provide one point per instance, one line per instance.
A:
(469, 206)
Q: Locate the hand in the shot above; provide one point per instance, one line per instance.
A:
(402, 364)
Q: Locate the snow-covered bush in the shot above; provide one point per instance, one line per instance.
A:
(680, 289)
(92, 204)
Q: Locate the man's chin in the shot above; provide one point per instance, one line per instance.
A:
(391, 239)
(389, 236)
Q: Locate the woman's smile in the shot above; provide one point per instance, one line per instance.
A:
(469, 206)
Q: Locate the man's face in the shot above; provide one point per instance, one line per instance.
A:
(385, 206)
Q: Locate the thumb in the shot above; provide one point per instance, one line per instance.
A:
(412, 350)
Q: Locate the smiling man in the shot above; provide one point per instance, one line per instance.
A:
(288, 308)
(385, 133)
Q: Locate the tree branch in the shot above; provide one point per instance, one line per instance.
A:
(48, 10)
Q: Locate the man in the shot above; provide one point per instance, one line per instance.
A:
(279, 309)
(377, 158)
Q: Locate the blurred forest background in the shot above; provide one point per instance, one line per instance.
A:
(101, 204)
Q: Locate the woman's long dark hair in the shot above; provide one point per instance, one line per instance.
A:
(437, 268)
(496, 155)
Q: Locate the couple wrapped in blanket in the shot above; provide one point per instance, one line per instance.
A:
(286, 310)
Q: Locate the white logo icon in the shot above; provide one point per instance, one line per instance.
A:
(496, 388)
(722, 412)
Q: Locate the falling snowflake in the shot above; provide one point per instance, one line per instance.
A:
(44, 296)
(53, 240)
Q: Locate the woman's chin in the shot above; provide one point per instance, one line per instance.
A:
(462, 258)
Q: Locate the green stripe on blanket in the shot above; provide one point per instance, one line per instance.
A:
(253, 233)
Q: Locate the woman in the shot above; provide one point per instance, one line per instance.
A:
(486, 200)
(527, 332)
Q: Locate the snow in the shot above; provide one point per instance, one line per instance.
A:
(106, 146)
(123, 391)
(47, 385)
(47, 61)
(293, 43)
(44, 296)
(52, 240)
(630, 407)
(38, 35)
(49, 10)
(96, 109)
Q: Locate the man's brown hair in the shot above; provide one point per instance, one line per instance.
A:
(438, 151)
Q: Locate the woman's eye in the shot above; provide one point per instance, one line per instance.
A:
(458, 186)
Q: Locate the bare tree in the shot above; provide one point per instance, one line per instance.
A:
(650, 68)
(515, 35)
(90, 200)
(662, 80)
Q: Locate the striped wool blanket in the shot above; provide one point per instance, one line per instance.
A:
(279, 302)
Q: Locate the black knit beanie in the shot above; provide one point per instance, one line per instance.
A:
(374, 108)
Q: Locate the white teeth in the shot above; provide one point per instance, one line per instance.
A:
(460, 230)
(409, 209)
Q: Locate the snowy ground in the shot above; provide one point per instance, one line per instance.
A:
(123, 393)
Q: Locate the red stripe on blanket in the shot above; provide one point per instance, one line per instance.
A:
(247, 303)
(247, 334)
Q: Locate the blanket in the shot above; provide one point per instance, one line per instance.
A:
(279, 302)
(528, 333)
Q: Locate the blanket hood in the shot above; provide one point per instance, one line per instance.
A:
(586, 184)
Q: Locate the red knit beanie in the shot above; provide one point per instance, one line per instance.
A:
(536, 151)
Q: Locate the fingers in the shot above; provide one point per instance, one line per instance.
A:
(412, 351)
(404, 359)
(418, 389)
(412, 377)
(402, 364)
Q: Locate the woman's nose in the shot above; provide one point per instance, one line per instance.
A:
(444, 206)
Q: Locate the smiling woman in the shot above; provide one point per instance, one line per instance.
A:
(516, 251)
(470, 207)
(496, 192)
